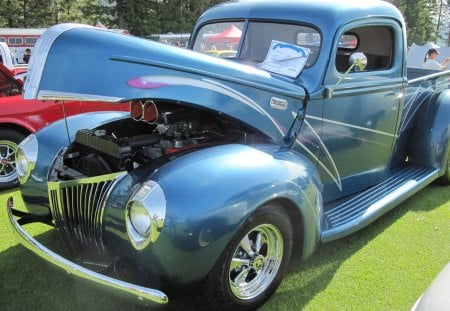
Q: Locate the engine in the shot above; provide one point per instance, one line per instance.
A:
(150, 134)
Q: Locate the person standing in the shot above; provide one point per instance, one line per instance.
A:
(430, 61)
(26, 55)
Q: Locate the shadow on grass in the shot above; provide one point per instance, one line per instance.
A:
(28, 282)
(313, 276)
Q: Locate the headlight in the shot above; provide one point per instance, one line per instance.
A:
(26, 157)
(145, 215)
(140, 219)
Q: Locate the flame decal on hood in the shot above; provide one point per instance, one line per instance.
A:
(153, 82)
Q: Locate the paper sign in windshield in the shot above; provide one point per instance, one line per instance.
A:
(285, 59)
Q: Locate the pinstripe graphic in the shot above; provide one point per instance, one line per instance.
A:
(353, 126)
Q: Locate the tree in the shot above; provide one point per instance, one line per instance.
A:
(38, 13)
(140, 17)
(443, 26)
(421, 19)
(143, 17)
(11, 13)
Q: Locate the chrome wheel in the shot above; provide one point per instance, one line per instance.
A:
(8, 171)
(252, 265)
(256, 261)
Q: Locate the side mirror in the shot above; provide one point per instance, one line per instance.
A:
(358, 61)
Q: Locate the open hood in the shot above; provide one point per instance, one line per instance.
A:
(7, 80)
(5, 71)
(79, 62)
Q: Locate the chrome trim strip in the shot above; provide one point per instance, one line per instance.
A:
(58, 185)
(429, 77)
(55, 95)
(134, 292)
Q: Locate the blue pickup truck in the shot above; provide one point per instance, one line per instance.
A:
(224, 167)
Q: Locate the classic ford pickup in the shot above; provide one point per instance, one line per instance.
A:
(224, 168)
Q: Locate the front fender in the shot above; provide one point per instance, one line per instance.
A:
(51, 139)
(209, 194)
(431, 138)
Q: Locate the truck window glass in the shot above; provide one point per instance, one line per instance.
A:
(219, 39)
(260, 34)
(379, 53)
(348, 41)
(223, 39)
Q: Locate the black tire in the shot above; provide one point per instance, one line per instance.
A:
(259, 269)
(9, 140)
(444, 180)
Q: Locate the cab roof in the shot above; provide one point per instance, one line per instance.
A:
(326, 14)
(329, 17)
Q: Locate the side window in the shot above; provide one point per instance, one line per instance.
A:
(30, 40)
(15, 41)
(379, 53)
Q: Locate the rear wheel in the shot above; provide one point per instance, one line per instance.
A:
(254, 262)
(9, 140)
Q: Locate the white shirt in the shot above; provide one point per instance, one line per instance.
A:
(432, 64)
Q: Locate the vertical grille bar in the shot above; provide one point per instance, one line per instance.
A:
(77, 208)
(95, 194)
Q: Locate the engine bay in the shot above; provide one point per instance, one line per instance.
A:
(155, 131)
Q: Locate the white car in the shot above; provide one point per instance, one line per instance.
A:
(436, 297)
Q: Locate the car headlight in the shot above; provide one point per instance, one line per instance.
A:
(145, 214)
(26, 157)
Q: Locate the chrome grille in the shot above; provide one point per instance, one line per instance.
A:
(77, 208)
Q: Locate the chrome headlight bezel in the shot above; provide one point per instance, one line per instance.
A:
(145, 214)
(26, 157)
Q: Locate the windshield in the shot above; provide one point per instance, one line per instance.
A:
(227, 39)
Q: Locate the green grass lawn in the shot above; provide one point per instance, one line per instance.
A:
(385, 266)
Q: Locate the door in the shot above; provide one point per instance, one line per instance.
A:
(360, 117)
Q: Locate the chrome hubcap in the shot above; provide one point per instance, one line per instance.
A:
(256, 261)
(7, 161)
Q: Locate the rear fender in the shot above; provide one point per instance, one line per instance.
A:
(430, 140)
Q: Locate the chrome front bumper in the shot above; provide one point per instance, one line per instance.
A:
(136, 293)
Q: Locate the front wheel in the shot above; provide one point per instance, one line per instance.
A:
(9, 141)
(253, 263)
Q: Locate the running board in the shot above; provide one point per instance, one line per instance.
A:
(360, 210)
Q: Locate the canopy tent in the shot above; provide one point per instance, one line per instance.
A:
(231, 36)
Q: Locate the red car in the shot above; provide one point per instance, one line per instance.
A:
(19, 117)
